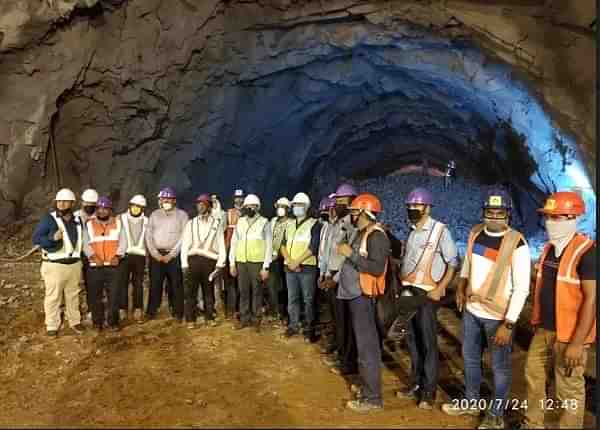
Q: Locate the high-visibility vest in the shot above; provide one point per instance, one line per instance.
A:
(138, 248)
(323, 239)
(421, 274)
(250, 240)
(371, 285)
(569, 296)
(104, 239)
(233, 216)
(278, 227)
(206, 245)
(67, 250)
(491, 295)
(298, 240)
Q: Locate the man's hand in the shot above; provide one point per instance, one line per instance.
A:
(292, 265)
(344, 249)
(233, 271)
(58, 235)
(264, 275)
(461, 298)
(329, 283)
(502, 336)
(166, 259)
(573, 355)
(114, 261)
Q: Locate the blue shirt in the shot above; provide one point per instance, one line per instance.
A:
(47, 227)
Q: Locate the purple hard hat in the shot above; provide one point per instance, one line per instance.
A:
(104, 202)
(419, 196)
(204, 198)
(346, 190)
(167, 193)
(326, 203)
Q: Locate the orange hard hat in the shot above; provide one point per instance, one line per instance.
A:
(563, 203)
(367, 202)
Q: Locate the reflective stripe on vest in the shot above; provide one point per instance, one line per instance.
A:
(104, 239)
(298, 240)
(569, 296)
(371, 285)
(207, 245)
(67, 250)
(491, 295)
(250, 245)
(421, 274)
(140, 247)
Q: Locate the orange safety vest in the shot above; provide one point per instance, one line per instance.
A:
(371, 285)
(569, 296)
(104, 238)
(233, 215)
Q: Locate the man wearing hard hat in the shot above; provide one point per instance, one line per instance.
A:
(59, 235)
(89, 200)
(133, 266)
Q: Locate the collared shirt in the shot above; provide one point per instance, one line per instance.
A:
(446, 253)
(378, 249)
(204, 225)
(165, 231)
(341, 231)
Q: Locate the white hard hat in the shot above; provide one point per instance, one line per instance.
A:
(301, 199)
(138, 200)
(65, 195)
(238, 193)
(90, 196)
(251, 199)
(283, 201)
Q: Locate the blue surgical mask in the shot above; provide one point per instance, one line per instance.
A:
(299, 211)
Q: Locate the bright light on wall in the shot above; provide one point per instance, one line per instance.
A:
(579, 177)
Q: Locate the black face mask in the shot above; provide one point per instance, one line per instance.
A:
(341, 211)
(325, 217)
(89, 210)
(64, 212)
(415, 215)
(103, 218)
(249, 212)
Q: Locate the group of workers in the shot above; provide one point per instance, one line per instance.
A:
(342, 256)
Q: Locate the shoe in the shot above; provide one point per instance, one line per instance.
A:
(149, 317)
(213, 323)
(240, 325)
(331, 361)
(426, 402)
(98, 327)
(330, 348)
(138, 316)
(122, 314)
(52, 333)
(456, 409)
(257, 325)
(114, 328)
(78, 329)
(357, 391)
(179, 320)
(310, 337)
(191, 325)
(342, 371)
(491, 422)
(89, 316)
(290, 332)
(363, 406)
(410, 393)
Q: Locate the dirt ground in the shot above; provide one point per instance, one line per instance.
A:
(162, 374)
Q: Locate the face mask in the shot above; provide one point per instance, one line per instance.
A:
(354, 220)
(64, 212)
(495, 225)
(249, 212)
(167, 206)
(415, 215)
(299, 211)
(135, 211)
(89, 210)
(103, 218)
(281, 212)
(341, 211)
(560, 233)
(237, 205)
(324, 217)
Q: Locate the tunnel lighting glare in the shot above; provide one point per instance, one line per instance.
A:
(579, 177)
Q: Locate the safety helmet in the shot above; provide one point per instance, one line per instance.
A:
(138, 200)
(419, 196)
(497, 198)
(238, 193)
(563, 203)
(301, 199)
(104, 202)
(204, 198)
(367, 202)
(345, 190)
(251, 199)
(89, 196)
(283, 201)
(167, 193)
(326, 203)
(65, 195)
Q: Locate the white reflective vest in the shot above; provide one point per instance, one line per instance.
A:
(138, 248)
(206, 246)
(67, 250)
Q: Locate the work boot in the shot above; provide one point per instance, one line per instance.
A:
(426, 402)
(114, 328)
(122, 314)
(240, 325)
(460, 408)
(329, 348)
(310, 336)
(363, 406)
(213, 323)
(410, 393)
(357, 391)
(52, 333)
(138, 316)
(78, 329)
(290, 332)
(491, 422)
(331, 361)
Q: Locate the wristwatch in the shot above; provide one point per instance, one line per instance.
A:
(509, 325)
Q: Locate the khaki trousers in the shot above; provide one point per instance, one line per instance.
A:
(59, 280)
(545, 356)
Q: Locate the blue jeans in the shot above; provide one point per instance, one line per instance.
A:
(474, 328)
(301, 286)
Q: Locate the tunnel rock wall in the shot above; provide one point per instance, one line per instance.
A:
(129, 95)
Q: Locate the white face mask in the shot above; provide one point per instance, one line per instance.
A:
(281, 212)
(167, 206)
(299, 211)
(560, 233)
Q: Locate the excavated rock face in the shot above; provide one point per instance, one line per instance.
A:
(280, 95)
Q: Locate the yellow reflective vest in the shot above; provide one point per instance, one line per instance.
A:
(250, 242)
(297, 239)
